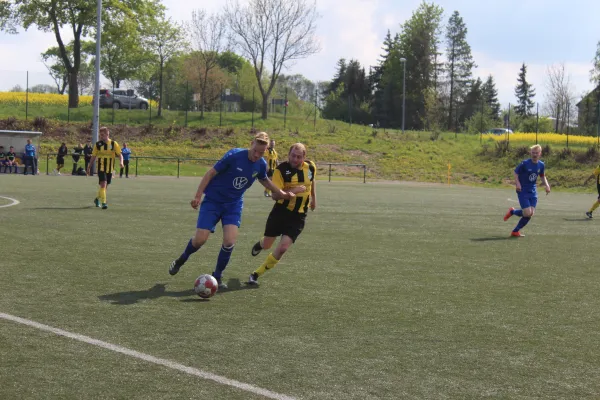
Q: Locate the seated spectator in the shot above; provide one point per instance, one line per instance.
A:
(2, 158)
(11, 161)
(77, 152)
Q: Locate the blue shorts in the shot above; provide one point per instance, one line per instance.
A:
(527, 199)
(211, 212)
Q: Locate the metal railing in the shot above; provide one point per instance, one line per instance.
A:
(180, 160)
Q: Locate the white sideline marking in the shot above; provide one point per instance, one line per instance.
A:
(146, 357)
(14, 201)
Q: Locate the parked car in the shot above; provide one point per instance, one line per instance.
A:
(499, 131)
(120, 98)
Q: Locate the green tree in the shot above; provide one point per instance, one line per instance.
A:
(271, 34)
(419, 44)
(460, 62)
(490, 94)
(472, 101)
(595, 71)
(163, 40)
(57, 69)
(525, 93)
(79, 16)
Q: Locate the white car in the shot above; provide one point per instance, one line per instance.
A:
(499, 131)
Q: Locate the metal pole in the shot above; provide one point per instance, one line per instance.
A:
(364, 174)
(557, 118)
(178, 161)
(481, 121)
(403, 95)
(598, 126)
(329, 172)
(27, 97)
(285, 109)
(150, 112)
(187, 105)
(253, 106)
(568, 118)
(315, 122)
(113, 107)
(136, 167)
(221, 107)
(96, 105)
(47, 163)
(68, 112)
(537, 122)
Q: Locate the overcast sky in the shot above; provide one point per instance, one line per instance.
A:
(502, 35)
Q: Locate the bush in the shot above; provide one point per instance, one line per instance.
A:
(502, 147)
(522, 151)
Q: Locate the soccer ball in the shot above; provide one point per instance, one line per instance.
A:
(206, 286)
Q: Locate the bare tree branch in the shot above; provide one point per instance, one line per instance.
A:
(276, 32)
(560, 98)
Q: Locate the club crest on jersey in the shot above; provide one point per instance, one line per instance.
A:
(254, 174)
(533, 177)
(240, 182)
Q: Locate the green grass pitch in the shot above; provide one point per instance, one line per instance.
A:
(392, 291)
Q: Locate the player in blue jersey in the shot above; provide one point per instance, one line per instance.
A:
(526, 175)
(223, 187)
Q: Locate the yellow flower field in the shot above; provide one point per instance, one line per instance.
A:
(547, 138)
(17, 98)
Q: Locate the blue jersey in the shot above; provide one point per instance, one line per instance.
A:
(235, 174)
(126, 152)
(30, 150)
(528, 172)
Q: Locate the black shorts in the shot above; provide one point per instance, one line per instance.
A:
(60, 160)
(104, 177)
(282, 221)
(270, 173)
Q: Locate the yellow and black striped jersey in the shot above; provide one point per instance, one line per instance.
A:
(271, 157)
(287, 177)
(106, 153)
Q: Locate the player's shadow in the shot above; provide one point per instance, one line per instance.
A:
(585, 219)
(490, 238)
(132, 297)
(62, 208)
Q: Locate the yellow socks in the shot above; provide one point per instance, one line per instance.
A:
(102, 195)
(269, 263)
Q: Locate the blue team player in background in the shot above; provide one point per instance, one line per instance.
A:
(526, 175)
(223, 187)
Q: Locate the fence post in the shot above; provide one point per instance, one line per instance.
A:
(329, 172)
(150, 113)
(187, 104)
(364, 173)
(253, 107)
(27, 98)
(68, 113)
(136, 167)
(47, 163)
(178, 167)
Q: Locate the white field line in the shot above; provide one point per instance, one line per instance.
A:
(14, 201)
(146, 357)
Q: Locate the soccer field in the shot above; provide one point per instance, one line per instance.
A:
(392, 291)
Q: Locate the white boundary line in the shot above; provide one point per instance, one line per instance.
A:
(146, 357)
(14, 201)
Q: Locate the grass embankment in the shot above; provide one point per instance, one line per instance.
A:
(388, 154)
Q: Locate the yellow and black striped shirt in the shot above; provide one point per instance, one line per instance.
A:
(105, 152)
(271, 156)
(287, 177)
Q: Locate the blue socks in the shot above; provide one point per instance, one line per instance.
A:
(189, 250)
(518, 213)
(222, 261)
(522, 222)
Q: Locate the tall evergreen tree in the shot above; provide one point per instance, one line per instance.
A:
(490, 94)
(472, 100)
(419, 44)
(525, 94)
(460, 62)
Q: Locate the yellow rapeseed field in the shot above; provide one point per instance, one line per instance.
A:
(547, 138)
(17, 98)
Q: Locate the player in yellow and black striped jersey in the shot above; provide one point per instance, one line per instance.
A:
(595, 174)
(272, 157)
(287, 218)
(105, 151)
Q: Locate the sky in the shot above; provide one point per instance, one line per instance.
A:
(502, 36)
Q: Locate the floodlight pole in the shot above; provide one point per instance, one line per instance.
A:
(96, 117)
(403, 60)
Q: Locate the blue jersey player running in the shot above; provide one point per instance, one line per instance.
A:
(223, 187)
(526, 175)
